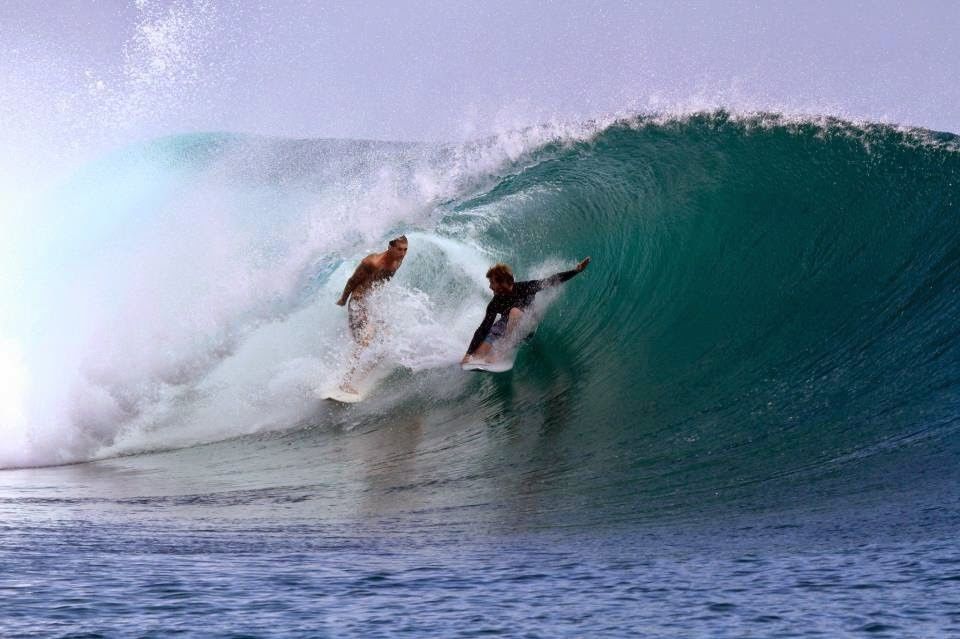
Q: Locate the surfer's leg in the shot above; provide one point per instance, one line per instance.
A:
(487, 351)
(363, 331)
(358, 368)
(359, 322)
(347, 383)
(482, 351)
(506, 338)
(358, 371)
(513, 321)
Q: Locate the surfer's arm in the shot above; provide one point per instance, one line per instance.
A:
(483, 330)
(359, 277)
(560, 278)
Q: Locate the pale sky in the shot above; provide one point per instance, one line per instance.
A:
(447, 70)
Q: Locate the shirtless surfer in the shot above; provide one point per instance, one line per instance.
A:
(373, 269)
(510, 300)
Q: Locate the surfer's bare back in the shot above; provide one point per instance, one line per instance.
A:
(373, 269)
(510, 300)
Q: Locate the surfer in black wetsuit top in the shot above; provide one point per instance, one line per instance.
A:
(510, 299)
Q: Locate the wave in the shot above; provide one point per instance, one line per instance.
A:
(770, 299)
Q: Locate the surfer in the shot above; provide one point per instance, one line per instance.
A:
(373, 270)
(510, 300)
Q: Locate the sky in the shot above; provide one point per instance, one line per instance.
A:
(437, 70)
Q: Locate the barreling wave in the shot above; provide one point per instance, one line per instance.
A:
(769, 299)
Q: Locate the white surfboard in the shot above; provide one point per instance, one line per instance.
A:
(342, 396)
(499, 366)
(364, 382)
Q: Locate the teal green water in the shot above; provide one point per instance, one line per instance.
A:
(768, 301)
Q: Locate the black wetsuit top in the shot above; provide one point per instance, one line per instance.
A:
(520, 297)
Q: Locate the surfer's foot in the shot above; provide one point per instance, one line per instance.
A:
(495, 355)
(347, 388)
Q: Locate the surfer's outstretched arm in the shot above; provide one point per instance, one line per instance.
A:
(560, 278)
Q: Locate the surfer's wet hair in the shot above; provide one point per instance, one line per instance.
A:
(500, 273)
(399, 240)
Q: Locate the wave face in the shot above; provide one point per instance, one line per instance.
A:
(771, 303)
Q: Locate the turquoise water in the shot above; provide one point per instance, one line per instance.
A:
(741, 420)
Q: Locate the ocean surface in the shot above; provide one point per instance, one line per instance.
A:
(742, 420)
